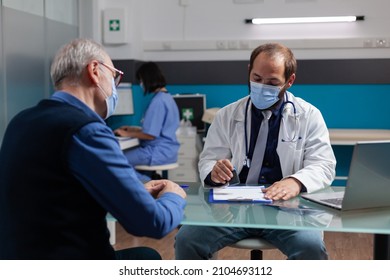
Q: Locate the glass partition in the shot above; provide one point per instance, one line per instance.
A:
(31, 33)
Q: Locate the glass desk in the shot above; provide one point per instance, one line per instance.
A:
(294, 214)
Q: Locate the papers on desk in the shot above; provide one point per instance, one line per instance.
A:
(248, 194)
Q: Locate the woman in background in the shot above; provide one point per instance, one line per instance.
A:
(158, 143)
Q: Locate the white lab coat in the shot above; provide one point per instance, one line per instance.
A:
(310, 159)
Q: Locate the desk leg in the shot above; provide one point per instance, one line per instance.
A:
(381, 247)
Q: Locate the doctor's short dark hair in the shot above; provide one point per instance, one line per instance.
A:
(151, 77)
(275, 49)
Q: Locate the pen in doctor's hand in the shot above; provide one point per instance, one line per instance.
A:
(185, 186)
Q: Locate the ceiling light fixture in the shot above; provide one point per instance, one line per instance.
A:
(303, 20)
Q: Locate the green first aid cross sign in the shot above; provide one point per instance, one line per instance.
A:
(187, 113)
(114, 24)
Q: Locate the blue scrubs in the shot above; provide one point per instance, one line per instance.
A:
(161, 120)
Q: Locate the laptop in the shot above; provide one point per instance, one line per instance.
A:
(368, 183)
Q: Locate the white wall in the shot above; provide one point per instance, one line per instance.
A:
(91, 25)
(215, 29)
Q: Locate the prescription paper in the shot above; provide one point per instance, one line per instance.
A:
(238, 194)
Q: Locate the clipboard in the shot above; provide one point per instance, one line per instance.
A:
(238, 194)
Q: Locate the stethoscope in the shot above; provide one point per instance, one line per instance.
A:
(294, 138)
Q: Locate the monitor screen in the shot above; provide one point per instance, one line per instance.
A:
(191, 107)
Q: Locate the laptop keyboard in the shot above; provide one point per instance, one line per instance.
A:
(335, 201)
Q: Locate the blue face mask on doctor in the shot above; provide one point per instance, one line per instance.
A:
(264, 96)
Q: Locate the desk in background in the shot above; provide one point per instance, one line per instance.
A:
(127, 142)
(188, 156)
(294, 214)
(351, 136)
(343, 140)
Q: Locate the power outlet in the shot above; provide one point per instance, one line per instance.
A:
(381, 43)
(368, 43)
(233, 45)
(244, 45)
(222, 45)
(167, 46)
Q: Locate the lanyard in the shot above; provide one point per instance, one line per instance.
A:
(247, 161)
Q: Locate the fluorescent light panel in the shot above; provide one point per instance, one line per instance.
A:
(304, 20)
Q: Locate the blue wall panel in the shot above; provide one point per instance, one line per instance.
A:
(343, 106)
(349, 106)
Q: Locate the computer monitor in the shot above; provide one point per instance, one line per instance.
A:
(191, 107)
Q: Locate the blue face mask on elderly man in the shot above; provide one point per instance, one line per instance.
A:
(264, 96)
(111, 100)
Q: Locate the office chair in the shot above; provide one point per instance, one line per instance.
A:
(255, 244)
(158, 169)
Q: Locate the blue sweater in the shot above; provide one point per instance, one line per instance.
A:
(48, 213)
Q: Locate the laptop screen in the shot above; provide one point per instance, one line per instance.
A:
(368, 182)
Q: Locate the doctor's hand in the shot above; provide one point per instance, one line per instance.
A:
(222, 171)
(283, 190)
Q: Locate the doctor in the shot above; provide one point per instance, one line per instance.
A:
(296, 155)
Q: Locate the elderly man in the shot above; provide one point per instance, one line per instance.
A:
(62, 170)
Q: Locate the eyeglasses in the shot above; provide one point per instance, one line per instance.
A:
(118, 73)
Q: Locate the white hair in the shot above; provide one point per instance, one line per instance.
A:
(72, 59)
